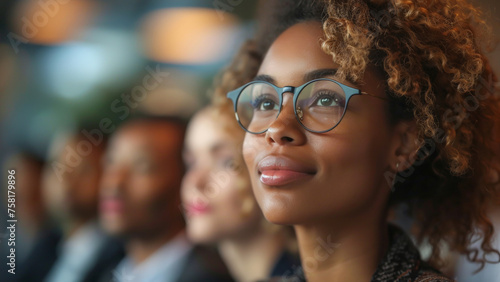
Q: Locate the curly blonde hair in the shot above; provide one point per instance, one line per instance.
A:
(436, 75)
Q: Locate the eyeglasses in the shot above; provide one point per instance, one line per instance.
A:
(319, 105)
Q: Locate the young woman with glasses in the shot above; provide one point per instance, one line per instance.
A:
(360, 106)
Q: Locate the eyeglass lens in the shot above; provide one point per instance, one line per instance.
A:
(320, 106)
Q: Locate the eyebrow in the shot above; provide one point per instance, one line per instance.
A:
(315, 74)
(321, 73)
(214, 149)
(265, 77)
(220, 146)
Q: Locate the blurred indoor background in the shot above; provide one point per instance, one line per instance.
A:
(71, 64)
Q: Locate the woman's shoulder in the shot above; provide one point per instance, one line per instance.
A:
(429, 274)
(433, 277)
(402, 262)
(417, 275)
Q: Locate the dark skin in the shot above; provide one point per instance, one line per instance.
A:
(30, 204)
(140, 188)
(343, 199)
(79, 188)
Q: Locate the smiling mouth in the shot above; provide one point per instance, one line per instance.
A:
(280, 171)
(281, 177)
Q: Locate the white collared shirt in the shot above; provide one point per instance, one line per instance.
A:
(165, 265)
(77, 254)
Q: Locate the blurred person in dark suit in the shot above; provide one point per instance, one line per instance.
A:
(77, 249)
(140, 200)
(29, 206)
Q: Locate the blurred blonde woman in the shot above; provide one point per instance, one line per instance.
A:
(217, 195)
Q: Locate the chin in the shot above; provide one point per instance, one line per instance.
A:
(275, 218)
(201, 235)
(112, 225)
(112, 229)
(279, 210)
(285, 217)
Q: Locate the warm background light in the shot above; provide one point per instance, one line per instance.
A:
(188, 35)
(52, 22)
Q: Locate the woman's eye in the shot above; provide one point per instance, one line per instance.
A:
(231, 164)
(188, 165)
(325, 101)
(328, 100)
(264, 104)
(108, 161)
(143, 167)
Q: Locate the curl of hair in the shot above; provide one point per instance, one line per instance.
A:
(241, 70)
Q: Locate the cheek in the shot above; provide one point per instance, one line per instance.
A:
(251, 146)
(229, 202)
(187, 188)
(146, 194)
(238, 209)
(352, 168)
(226, 218)
(351, 162)
(89, 186)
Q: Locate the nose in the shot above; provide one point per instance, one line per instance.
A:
(285, 129)
(114, 180)
(196, 178)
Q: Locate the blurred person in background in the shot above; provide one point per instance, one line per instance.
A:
(217, 195)
(76, 249)
(140, 202)
(220, 207)
(30, 209)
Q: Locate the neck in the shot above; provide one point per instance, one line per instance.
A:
(251, 257)
(72, 226)
(140, 248)
(349, 251)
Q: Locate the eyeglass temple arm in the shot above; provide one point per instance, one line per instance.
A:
(382, 98)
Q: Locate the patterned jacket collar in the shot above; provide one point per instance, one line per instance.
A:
(401, 263)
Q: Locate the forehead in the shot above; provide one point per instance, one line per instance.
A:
(295, 52)
(78, 144)
(155, 137)
(205, 132)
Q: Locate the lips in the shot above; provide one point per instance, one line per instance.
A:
(280, 171)
(111, 205)
(197, 208)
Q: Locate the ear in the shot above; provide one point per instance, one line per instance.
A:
(406, 145)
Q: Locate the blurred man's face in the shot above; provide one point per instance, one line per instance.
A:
(76, 194)
(142, 176)
(29, 204)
